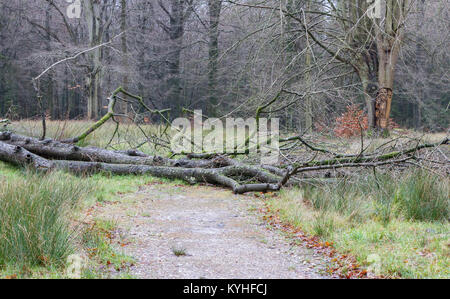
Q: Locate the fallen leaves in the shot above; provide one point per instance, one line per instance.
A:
(344, 265)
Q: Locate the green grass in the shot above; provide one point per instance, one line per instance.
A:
(423, 196)
(179, 251)
(35, 229)
(96, 240)
(109, 187)
(402, 220)
(39, 228)
(40, 210)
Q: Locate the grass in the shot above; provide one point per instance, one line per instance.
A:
(423, 196)
(40, 210)
(39, 228)
(35, 229)
(395, 224)
(179, 251)
(400, 220)
(110, 187)
(96, 240)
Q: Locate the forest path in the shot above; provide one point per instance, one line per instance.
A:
(222, 235)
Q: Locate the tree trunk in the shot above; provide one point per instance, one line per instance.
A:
(308, 100)
(220, 170)
(123, 109)
(369, 87)
(389, 35)
(176, 33)
(92, 16)
(50, 98)
(53, 149)
(420, 62)
(20, 156)
(215, 7)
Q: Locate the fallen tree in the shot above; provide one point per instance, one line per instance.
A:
(218, 169)
(27, 151)
(53, 149)
(21, 157)
(47, 155)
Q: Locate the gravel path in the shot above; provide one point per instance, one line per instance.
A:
(221, 234)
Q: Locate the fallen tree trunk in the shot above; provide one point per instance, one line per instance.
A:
(62, 151)
(21, 157)
(218, 176)
(218, 169)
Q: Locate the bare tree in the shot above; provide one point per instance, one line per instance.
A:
(215, 7)
(178, 12)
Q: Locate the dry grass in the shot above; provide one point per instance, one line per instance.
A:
(128, 135)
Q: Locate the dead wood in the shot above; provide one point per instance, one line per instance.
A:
(220, 170)
(19, 156)
(53, 149)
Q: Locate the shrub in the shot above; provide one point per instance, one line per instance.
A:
(35, 228)
(351, 122)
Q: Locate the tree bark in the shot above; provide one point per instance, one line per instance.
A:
(21, 157)
(62, 151)
(369, 87)
(215, 7)
(217, 176)
(308, 64)
(175, 30)
(389, 35)
(123, 109)
(92, 17)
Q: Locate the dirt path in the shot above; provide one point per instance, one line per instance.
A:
(221, 234)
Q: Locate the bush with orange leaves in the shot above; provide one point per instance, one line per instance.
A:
(351, 122)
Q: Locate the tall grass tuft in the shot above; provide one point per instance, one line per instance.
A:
(323, 226)
(34, 212)
(424, 197)
(419, 195)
